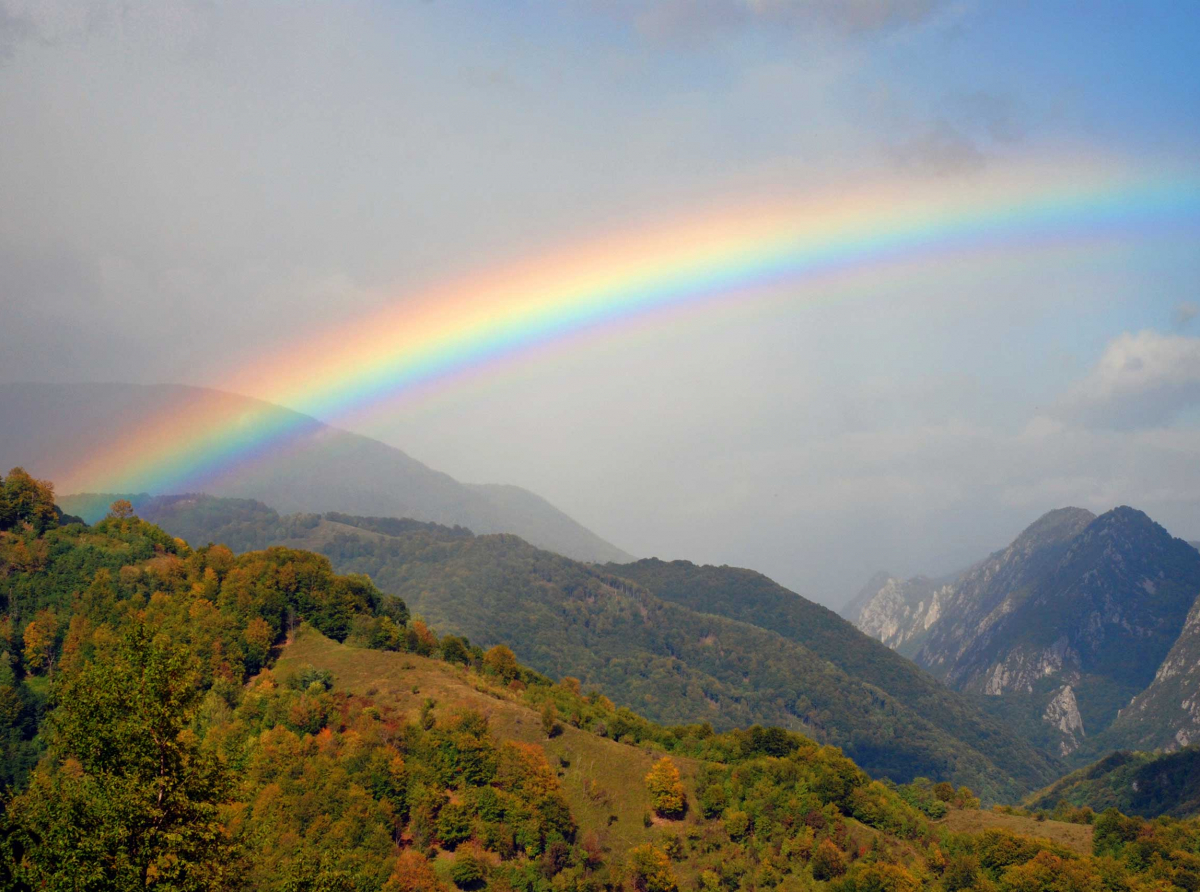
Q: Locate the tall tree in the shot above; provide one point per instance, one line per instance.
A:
(26, 500)
(126, 798)
(666, 789)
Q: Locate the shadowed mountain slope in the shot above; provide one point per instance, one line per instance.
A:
(751, 597)
(1137, 783)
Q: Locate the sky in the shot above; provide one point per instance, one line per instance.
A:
(190, 185)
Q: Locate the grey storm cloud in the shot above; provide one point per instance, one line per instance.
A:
(940, 148)
(998, 117)
(851, 15)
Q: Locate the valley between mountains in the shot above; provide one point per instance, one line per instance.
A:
(676, 642)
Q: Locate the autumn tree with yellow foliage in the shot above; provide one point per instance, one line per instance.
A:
(666, 790)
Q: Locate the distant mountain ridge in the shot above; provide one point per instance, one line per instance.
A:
(687, 643)
(1083, 631)
(327, 469)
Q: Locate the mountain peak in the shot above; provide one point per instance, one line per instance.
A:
(1054, 526)
(1129, 518)
(1077, 603)
(1129, 533)
(853, 608)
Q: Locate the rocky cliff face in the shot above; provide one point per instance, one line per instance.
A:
(982, 602)
(900, 611)
(948, 616)
(1072, 620)
(1166, 715)
(1062, 714)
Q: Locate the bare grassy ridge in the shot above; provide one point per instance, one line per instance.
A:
(1076, 837)
(391, 677)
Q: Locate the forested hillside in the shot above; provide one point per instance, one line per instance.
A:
(1146, 784)
(666, 660)
(753, 598)
(184, 719)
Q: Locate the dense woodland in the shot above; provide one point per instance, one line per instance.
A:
(154, 741)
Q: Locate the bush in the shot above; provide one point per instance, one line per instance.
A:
(550, 723)
(650, 870)
(468, 870)
(737, 824)
(878, 878)
(454, 825)
(828, 861)
(306, 676)
(713, 800)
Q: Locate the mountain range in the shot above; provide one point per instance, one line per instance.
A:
(323, 469)
(676, 642)
(1080, 637)
(1083, 632)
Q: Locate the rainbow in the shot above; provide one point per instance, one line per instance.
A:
(798, 248)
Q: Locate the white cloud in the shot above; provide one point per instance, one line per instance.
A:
(1142, 380)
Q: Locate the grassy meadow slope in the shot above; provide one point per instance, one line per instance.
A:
(1076, 837)
(614, 808)
(404, 681)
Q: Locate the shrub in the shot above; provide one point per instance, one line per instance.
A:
(501, 662)
(828, 861)
(713, 800)
(737, 824)
(468, 870)
(550, 723)
(650, 870)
